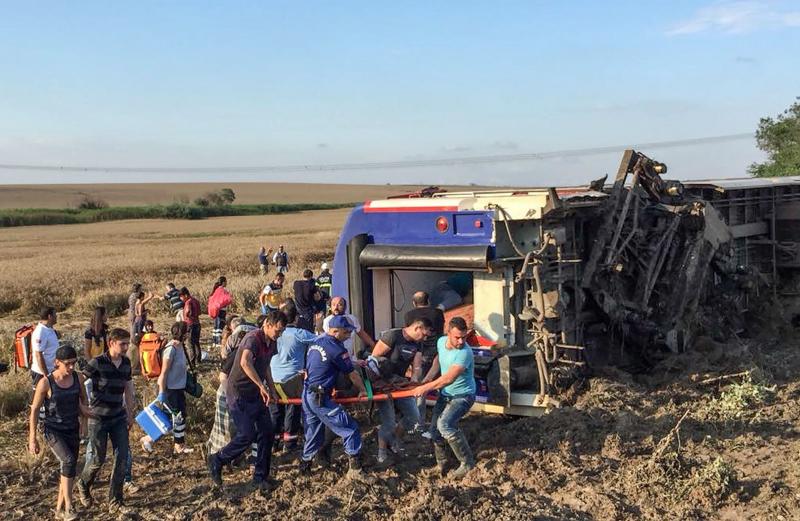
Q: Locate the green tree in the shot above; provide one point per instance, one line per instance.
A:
(780, 139)
(227, 195)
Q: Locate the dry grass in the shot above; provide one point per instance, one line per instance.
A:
(75, 267)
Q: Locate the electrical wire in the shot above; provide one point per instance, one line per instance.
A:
(379, 165)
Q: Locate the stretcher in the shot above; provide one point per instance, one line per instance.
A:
(345, 400)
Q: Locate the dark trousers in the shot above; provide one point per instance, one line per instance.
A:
(253, 423)
(286, 421)
(219, 326)
(100, 431)
(194, 343)
(65, 446)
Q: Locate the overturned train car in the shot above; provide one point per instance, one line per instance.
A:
(557, 280)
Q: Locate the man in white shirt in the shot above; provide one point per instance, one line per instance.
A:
(339, 307)
(45, 345)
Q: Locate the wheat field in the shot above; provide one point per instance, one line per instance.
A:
(75, 267)
(139, 194)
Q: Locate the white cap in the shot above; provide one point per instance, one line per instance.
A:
(324, 266)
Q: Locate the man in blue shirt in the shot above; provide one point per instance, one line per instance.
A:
(286, 367)
(326, 358)
(456, 387)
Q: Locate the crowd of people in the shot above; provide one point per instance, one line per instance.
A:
(305, 346)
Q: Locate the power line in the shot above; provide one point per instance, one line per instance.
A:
(379, 165)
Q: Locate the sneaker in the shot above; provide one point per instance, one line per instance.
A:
(396, 447)
(214, 469)
(129, 488)
(84, 495)
(427, 435)
(147, 443)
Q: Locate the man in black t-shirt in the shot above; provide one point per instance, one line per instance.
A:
(306, 298)
(403, 348)
(248, 399)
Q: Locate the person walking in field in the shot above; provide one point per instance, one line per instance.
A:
(64, 399)
(271, 297)
(191, 316)
(219, 300)
(135, 290)
(250, 390)
(44, 340)
(140, 312)
(112, 403)
(95, 338)
(281, 260)
(456, 387)
(263, 260)
(173, 298)
(172, 389)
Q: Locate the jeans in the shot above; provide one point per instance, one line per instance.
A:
(410, 419)
(253, 423)
(100, 431)
(447, 412)
(65, 446)
(286, 421)
(321, 413)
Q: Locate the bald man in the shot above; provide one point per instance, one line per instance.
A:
(339, 307)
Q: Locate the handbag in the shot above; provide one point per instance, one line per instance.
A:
(193, 387)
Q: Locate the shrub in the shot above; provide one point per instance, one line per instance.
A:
(90, 202)
(40, 296)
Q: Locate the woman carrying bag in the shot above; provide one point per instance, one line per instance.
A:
(172, 388)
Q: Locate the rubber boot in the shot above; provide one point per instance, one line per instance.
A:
(440, 451)
(356, 471)
(460, 447)
(325, 454)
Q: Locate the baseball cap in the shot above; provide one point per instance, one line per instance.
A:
(340, 322)
(324, 266)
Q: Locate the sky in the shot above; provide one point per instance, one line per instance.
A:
(224, 84)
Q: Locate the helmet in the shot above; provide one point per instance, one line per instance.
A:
(324, 266)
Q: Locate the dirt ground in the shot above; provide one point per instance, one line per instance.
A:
(663, 445)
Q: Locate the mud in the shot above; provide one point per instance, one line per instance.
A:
(662, 445)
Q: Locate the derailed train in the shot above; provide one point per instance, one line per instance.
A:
(556, 280)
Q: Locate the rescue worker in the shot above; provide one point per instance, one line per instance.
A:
(281, 260)
(326, 358)
(339, 308)
(325, 280)
(456, 387)
(248, 398)
(402, 347)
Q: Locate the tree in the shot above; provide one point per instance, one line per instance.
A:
(227, 195)
(780, 139)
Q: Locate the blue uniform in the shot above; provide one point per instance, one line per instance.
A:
(326, 358)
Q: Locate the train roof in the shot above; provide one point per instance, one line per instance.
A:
(742, 183)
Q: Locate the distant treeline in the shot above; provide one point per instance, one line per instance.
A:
(42, 216)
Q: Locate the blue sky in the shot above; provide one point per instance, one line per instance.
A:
(265, 83)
